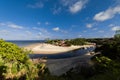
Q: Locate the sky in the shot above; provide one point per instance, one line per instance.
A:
(58, 19)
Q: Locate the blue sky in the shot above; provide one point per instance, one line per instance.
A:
(58, 19)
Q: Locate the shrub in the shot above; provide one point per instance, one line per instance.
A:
(15, 62)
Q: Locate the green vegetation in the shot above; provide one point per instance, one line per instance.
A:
(15, 63)
(77, 41)
(99, 41)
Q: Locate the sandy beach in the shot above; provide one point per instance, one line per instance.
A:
(54, 65)
(43, 48)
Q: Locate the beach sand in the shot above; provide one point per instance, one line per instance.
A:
(59, 66)
(43, 48)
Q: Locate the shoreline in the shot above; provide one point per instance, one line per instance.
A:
(44, 48)
(54, 65)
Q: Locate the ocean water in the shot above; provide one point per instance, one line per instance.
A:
(22, 43)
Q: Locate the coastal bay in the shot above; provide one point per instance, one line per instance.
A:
(58, 66)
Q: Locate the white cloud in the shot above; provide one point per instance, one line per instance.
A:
(67, 2)
(56, 29)
(89, 25)
(115, 28)
(108, 14)
(42, 31)
(74, 6)
(9, 30)
(12, 25)
(36, 5)
(56, 10)
(78, 6)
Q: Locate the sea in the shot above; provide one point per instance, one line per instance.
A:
(23, 43)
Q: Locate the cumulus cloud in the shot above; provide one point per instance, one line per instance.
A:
(36, 5)
(56, 10)
(89, 25)
(42, 31)
(12, 25)
(66, 2)
(56, 29)
(108, 14)
(74, 6)
(115, 28)
(78, 6)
